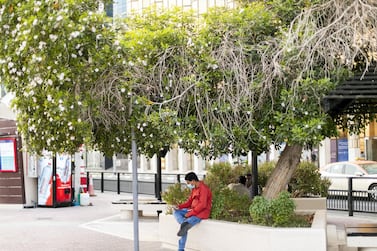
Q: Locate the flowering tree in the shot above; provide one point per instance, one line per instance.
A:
(70, 76)
(230, 82)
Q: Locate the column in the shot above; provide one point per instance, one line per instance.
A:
(153, 163)
(353, 147)
(182, 161)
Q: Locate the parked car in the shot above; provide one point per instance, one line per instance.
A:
(339, 172)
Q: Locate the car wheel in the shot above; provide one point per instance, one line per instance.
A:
(372, 192)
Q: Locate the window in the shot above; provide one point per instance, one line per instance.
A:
(350, 169)
(336, 169)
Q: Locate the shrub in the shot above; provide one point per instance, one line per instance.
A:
(260, 211)
(276, 212)
(306, 179)
(282, 209)
(226, 204)
(174, 195)
(219, 175)
(230, 206)
(264, 172)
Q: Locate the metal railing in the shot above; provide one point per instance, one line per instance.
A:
(353, 200)
(122, 181)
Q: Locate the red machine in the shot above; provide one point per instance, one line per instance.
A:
(54, 180)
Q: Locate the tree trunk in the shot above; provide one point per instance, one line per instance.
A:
(286, 165)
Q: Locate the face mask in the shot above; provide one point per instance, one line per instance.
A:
(191, 186)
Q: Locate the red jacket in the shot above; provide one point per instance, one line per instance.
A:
(200, 202)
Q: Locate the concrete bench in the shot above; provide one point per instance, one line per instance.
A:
(363, 236)
(126, 212)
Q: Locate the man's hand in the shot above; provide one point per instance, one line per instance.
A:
(188, 212)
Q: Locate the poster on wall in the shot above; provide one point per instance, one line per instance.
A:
(343, 149)
(8, 155)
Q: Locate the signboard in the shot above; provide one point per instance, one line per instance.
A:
(8, 155)
(343, 149)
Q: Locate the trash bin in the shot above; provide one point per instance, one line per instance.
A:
(84, 199)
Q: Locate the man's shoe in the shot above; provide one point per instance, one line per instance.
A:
(185, 226)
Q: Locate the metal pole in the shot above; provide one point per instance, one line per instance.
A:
(254, 177)
(102, 183)
(155, 185)
(118, 183)
(158, 180)
(135, 192)
(350, 201)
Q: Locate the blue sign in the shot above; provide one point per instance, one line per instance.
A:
(343, 149)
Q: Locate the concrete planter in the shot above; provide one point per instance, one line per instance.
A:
(311, 204)
(211, 235)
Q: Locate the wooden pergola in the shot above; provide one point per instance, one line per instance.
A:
(356, 95)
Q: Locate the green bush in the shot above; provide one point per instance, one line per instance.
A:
(276, 212)
(174, 195)
(264, 172)
(227, 204)
(219, 175)
(306, 180)
(260, 211)
(230, 206)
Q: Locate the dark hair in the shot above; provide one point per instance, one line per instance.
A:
(242, 180)
(191, 176)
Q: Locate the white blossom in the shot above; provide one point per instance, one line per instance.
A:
(61, 76)
(41, 45)
(75, 34)
(53, 37)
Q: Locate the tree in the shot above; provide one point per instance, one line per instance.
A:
(230, 82)
(70, 76)
(329, 40)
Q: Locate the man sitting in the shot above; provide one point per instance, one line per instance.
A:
(240, 187)
(197, 207)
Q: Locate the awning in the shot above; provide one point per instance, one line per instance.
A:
(6, 112)
(357, 95)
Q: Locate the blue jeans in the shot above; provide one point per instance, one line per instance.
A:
(179, 215)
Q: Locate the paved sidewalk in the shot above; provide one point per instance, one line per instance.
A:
(97, 227)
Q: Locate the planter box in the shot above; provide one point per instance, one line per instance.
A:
(307, 205)
(211, 235)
